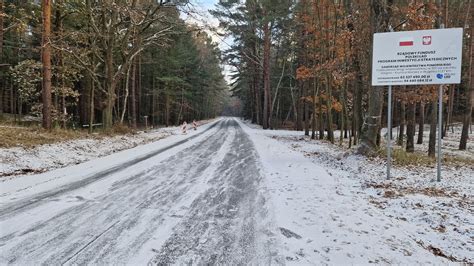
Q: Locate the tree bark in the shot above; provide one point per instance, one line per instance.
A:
(133, 100)
(329, 111)
(421, 123)
(266, 75)
(401, 134)
(434, 109)
(372, 122)
(321, 118)
(448, 121)
(470, 97)
(125, 97)
(107, 115)
(358, 95)
(1, 31)
(46, 58)
(299, 107)
(91, 105)
(307, 119)
(410, 147)
(2, 84)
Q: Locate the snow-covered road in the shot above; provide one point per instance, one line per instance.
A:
(227, 194)
(193, 200)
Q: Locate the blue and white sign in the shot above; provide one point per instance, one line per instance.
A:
(417, 57)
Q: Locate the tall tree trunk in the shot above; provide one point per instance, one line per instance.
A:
(256, 84)
(167, 108)
(421, 123)
(258, 99)
(329, 110)
(345, 114)
(307, 119)
(357, 105)
(381, 16)
(2, 81)
(107, 115)
(91, 105)
(321, 118)
(266, 75)
(133, 94)
(370, 128)
(46, 58)
(313, 117)
(313, 122)
(299, 106)
(448, 121)
(1, 31)
(469, 95)
(401, 134)
(411, 127)
(125, 97)
(434, 109)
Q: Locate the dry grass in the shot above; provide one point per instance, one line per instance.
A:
(29, 137)
(32, 136)
(403, 158)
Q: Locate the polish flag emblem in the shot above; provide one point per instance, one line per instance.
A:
(406, 42)
(426, 40)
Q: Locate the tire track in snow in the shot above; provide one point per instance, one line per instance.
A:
(227, 224)
(160, 188)
(11, 209)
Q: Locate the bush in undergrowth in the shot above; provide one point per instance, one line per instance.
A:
(118, 129)
(401, 157)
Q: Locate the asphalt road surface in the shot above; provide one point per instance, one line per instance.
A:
(200, 205)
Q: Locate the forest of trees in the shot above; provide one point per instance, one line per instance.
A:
(78, 63)
(306, 65)
(298, 64)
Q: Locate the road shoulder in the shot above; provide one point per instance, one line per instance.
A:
(323, 216)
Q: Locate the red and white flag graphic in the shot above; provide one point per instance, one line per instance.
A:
(406, 42)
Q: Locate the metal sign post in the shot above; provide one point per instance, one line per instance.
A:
(389, 131)
(440, 128)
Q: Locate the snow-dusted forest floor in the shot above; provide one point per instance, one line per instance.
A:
(41, 158)
(346, 203)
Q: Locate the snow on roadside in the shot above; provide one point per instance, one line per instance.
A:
(42, 158)
(450, 142)
(17, 188)
(335, 207)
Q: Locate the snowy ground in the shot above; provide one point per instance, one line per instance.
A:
(42, 158)
(450, 142)
(342, 210)
(233, 194)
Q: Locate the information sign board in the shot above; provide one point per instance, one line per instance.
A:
(417, 57)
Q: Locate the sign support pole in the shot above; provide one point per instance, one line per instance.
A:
(389, 126)
(440, 128)
(389, 131)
